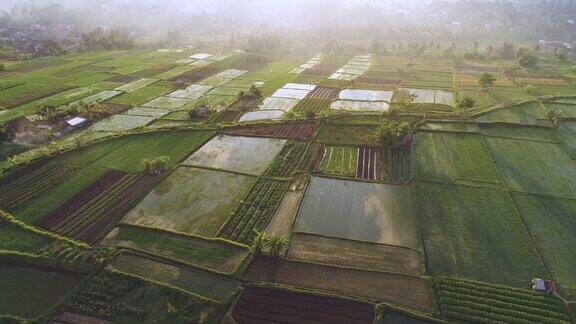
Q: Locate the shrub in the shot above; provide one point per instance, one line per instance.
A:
(155, 166)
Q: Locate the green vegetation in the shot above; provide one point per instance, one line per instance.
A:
(452, 157)
(475, 233)
(124, 154)
(534, 167)
(212, 195)
(544, 216)
(199, 283)
(295, 156)
(211, 254)
(130, 299)
(255, 212)
(29, 293)
(340, 160)
(472, 301)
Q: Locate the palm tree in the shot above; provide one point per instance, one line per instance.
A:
(259, 243)
(277, 244)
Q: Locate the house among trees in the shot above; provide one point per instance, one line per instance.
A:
(554, 46)
(547, 286)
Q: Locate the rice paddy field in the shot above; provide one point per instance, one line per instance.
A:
(183, 201)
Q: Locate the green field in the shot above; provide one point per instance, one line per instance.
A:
(475, 233)
(451, 157)
(552, 224)
(195, 282)
(211, 254)
(124, 154)
(134, 300)
(28, 292)
(359, 211)
(531, 113)
(212, 195)
(534, 167)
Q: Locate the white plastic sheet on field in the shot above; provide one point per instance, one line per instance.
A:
(262, 115)
(297, 70)
(299, 86)
(360, 105)
(120, 123)
(350, 71)
(146, 111)
(444, 97)
(239, 154)
(290, 93)
(201, 56)
(192, 92)
(136, 85)
(231, 73)
(283, 104)
(218, 57)
(169, 103)
(199, 63)
(365, 95)
(341, 76)
(431, 96)
(184, 61)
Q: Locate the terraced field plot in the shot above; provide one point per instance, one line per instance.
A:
(281, 223)
(237, 154)
(28, 293)
(567, 134)
(430, 96)
(479, 302)
(368, 106)
(313, 106)
(294, 157)
(266, 305)
(147, 112)
(169, 103)
(534, 167)
(324, 93)
(136, 85)
(22, 187)
(373, 285)
(453, 158)
(255, 211)
(192, 92)
(521, 132)
(302, 131)
(92, 213)
(196, 282)
(365, 95)
(284, 104)
(360, 211)
(120, 123)
(130, 299)
(211, 254)
(262, 115)
(531, 113)
(367, 163)
(542, 216)
(475, 233)
(354, 254)
(212, 195)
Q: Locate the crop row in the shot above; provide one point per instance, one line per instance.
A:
(294, 157)
(91, 213)
(17, 191)
(256, 211)
(340, 160)
(397, 165)
(312, 105)
(98, 298)
(478, 302)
